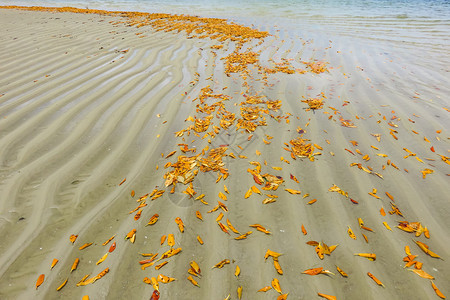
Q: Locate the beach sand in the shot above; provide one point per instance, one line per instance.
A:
(87, 101)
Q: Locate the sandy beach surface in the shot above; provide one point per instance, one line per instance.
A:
(260, 188)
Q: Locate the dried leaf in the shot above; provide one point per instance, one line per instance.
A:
(102, 259)
(328, 297)
(40, 280)
(109, 240)
(74, 265)
(387, 226)
(192, 281)
(265, 289)
(276, 285)
(375, 279)
(295, 192)
(277, 266)
(62, 284)
(283, 296)
(238, 271)
(85, 246)
(199, 239)
(232, 227)
(422, 274)
(369, 256)
(159, 266)
(248, 193)
(272, 254)
(54, 262)
(304, 230)
(426, 249)
(341, 272)
(438, 292)
(171, 240)
(153, 219)
(180, 224)
(312, 201)
(350, 233)
(73, 238)
(221, 264)
(314, 271)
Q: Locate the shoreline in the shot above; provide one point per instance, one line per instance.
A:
(89, 100)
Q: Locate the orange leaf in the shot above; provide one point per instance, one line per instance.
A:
(54, 262)
(85, 246)
(294, 192)
(73, 238)
(312, 201)
(422, 274)
(112, 248)
(62, 284)
(314, 271)
(74, 265)
(438, 292)
(193, 281)
(328, 297)
(341, 272)
(180, 224)
(304, 230)
(375, 279)
(40, 280)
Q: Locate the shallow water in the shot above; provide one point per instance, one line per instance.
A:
(422, 24)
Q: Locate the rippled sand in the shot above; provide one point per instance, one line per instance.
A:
(86, 101)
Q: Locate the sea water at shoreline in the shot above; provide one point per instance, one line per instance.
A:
(415, 32)
(418, 22)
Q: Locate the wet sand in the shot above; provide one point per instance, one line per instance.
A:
(87, 101)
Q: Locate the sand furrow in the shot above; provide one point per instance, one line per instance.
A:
(109, 111)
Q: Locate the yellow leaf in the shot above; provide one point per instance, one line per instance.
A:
(370, 256)
(62, 284)
(276, 285)
(222, 196)
(295, 192)
(102, 259)
(238, 271)
(193, 281)
(255, 190)
(341, 272)
(249, 193)
(350, 233)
